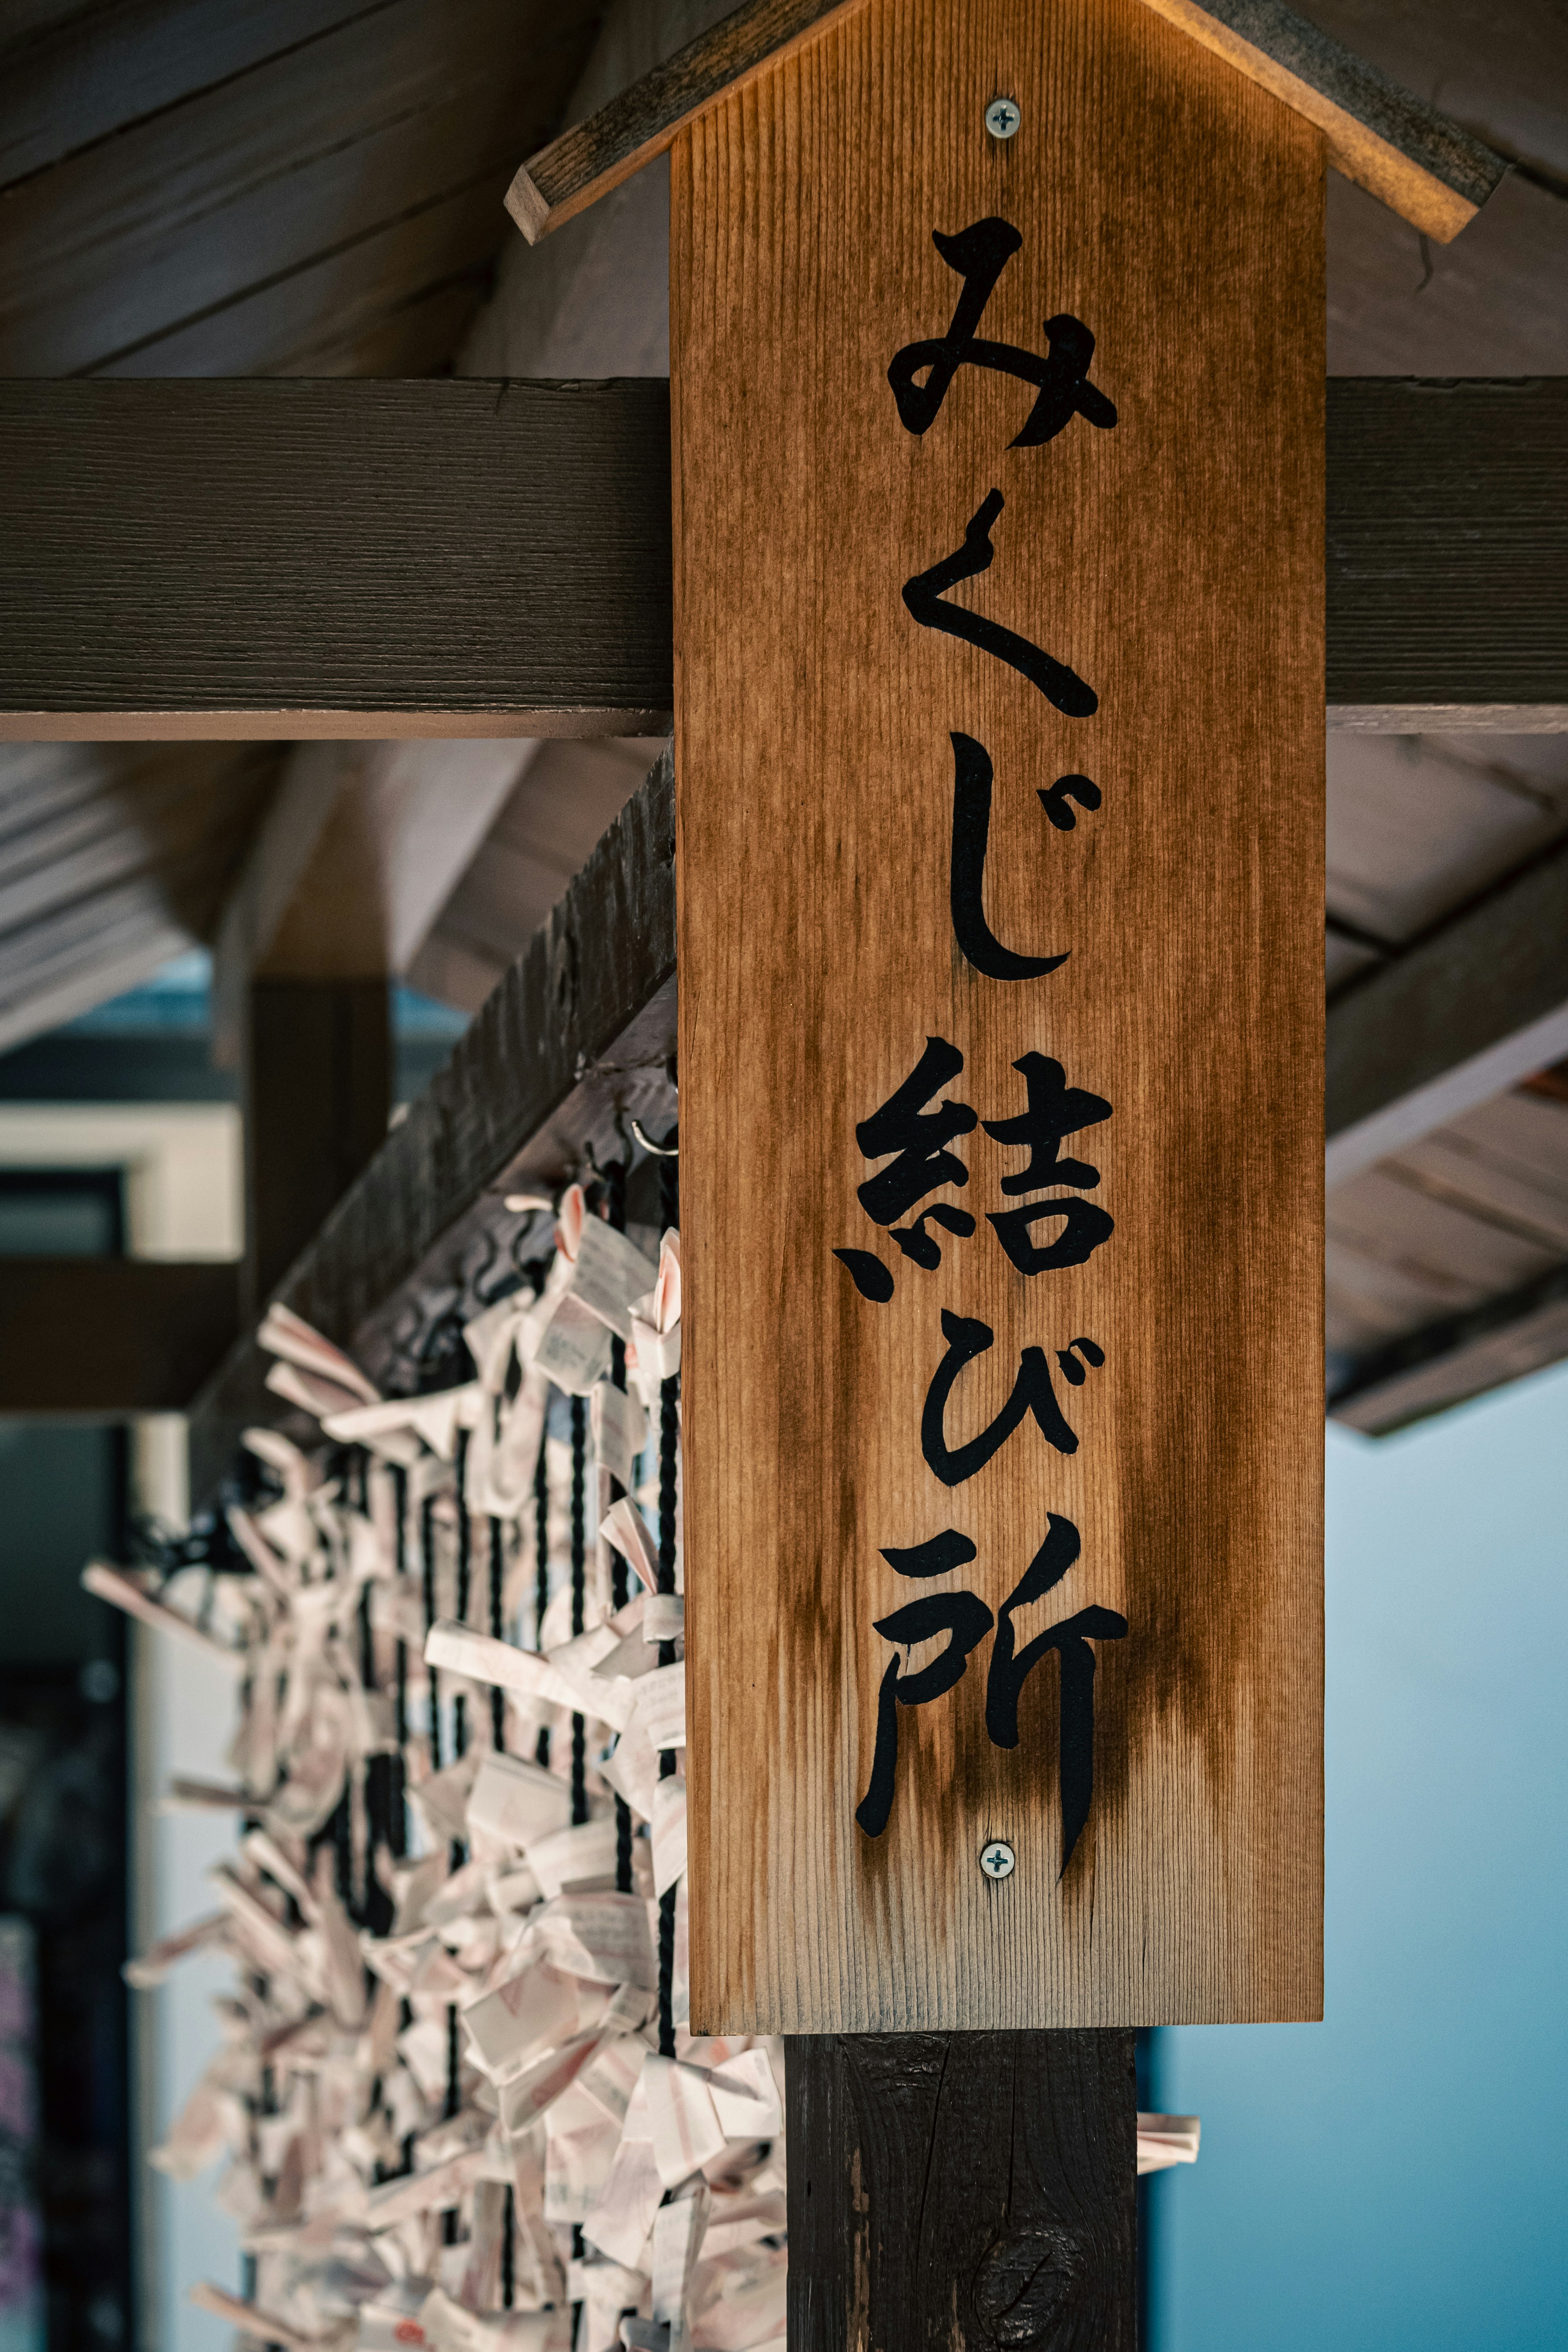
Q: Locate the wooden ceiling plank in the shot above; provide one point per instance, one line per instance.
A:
(1455, 1358)
(121, 834)
(128, 945)
(1396, 145)
(189, 210)
(294, 323)
(97, 74)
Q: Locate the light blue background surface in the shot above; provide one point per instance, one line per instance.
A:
(1398, 2175)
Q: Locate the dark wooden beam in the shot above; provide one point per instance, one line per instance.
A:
(1478, 1003)
(297, 558)
(293, 559)
(575, 1041)
(1447, 552)
(961, 2188)
(102, 1339)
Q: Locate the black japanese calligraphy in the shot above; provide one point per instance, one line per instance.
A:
(978, 944)
(1054, 1110)
(917, 1136)
(1056, 800)
(1084, 1226)
(1033, 1393)
(1048, 1225)
(869, 1276)
(932, 1558)
(919, 1246)
(979, 254)
(1070, 1367)
(1010, 1669)
(966, 1620)
(1061, 686)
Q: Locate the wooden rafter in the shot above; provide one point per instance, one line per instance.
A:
(1417, 162)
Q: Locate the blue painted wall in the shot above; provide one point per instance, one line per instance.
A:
(1398, 2175)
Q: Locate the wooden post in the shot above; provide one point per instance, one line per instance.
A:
(316, 1089)
(960, 2188)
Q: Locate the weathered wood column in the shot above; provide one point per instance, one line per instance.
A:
(960, 2188)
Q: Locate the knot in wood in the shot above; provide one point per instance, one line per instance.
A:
(1021, 2284)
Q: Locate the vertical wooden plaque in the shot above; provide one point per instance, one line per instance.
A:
(999, 647)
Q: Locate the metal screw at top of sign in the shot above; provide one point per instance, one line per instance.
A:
(997, 1859)
(1002, 118)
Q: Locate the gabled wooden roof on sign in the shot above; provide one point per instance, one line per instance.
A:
(1425, 167)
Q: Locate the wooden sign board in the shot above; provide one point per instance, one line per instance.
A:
(999, 652)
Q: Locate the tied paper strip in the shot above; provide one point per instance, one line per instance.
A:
(1164, 2140)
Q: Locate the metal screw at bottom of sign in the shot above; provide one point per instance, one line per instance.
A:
(997, 1859)
(1002, 118)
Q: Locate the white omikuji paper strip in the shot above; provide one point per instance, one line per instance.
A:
(664, 1617)
(608, 1273)
(668, 1828)
(618, 1425)
(372, 2187)
(458, 1650)
(1164, 2140)
(573, 1348)
(114, 1585)
(659, 1707)
(283, 1333)
(624, 1526)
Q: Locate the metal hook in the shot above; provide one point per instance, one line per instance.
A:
(659, 1150)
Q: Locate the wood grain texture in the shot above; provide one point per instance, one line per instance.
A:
(1422, 165)
(450, 558)
(1418, 162)
(579, 1035)
(1447, 544)
(1174, 562)
(105, 1338)
(961, 2188)
(297, 558)
(586, 162)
